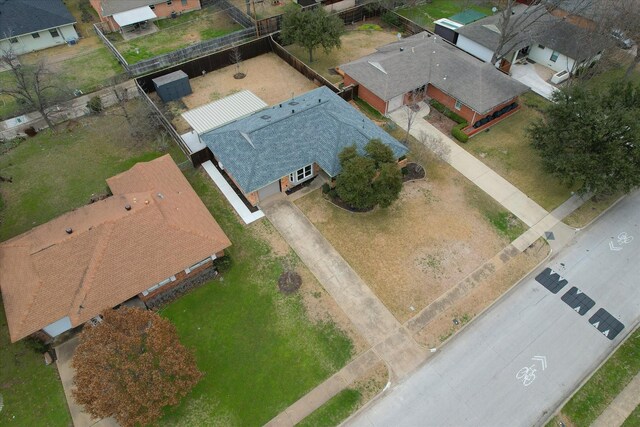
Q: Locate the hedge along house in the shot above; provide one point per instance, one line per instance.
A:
(30, 25)
(278, 148)
(537, 35)
(152, 236)
(424, 64)
(123, 14)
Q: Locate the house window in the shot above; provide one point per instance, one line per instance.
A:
(301, 174)
(159, 285)
(540, 46)
(184, 2)
(35, 35)
(54, 33)
(196, 265)
(13, 40)
(458, 105)
(554, 56)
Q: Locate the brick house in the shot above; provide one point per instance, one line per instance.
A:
(115, 14)
(146, 239)
(278, 148)
(426, 64)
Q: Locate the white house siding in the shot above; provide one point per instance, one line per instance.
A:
(543, 56)
(474, 48)
(26, 42)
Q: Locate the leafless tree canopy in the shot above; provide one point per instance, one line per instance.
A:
(33, 85)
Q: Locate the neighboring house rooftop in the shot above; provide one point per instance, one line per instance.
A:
(18, 17)
(110, 7)
(112, 254)
(467, 16)
(534, 25)
(403, 66)
(270, 144)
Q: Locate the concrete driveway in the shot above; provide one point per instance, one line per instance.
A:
(64, 352)
(527, 74)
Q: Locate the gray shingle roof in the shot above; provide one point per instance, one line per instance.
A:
(422, 58)
(18, 17)
(109, 7)
(315, 127)
(534, 25)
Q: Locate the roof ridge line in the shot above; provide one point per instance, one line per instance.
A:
(89, 274)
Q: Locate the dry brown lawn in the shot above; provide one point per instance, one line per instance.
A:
(482, 296)
(411, 253)
(268, 76)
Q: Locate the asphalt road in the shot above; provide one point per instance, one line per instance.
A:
(474, 380)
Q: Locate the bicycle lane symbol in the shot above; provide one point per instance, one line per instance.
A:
(527, 374)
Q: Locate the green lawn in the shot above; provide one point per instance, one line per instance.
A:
(56, 172)
(174, 34)
(32, 392)
(506, 149)
(425, 14)
(257, 348)
(593, 398)
(336, 410)
(77, 75)
(634, 419)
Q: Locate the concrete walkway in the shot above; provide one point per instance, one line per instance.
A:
(480, 174)
(64, 352)
(621, 407)
(238, 205)
(371, 318)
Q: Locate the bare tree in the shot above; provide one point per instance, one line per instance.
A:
(412, 109)
(235, 56)
(32, 85)
(434, 143)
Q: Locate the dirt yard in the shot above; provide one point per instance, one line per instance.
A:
(263, 8)
(411, 253)
(268, 77)
(356, 43)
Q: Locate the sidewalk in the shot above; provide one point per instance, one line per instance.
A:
(477, 172)
(621, 407)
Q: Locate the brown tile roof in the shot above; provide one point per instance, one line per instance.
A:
(112, 254)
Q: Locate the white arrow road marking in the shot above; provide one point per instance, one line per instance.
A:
(606, 333)
(613, 247)
(577, 309)
(595, 325)
(578, 291)
(542, 360)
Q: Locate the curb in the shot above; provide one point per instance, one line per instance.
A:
(587, 377)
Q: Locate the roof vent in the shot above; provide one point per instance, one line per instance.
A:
(161, 196)
(265, 117)
(280, 105)
(401, 49)
(293, 111)
(69, 230)
(319, 100)
(127, 207)
(293, 103)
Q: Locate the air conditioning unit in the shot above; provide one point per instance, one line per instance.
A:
(560, 77)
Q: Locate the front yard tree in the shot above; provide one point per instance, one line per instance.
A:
(371, 179)
(311, 29)
(592, 137)
(130, 366)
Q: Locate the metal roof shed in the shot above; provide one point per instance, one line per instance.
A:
(172, 86)
(223, 111)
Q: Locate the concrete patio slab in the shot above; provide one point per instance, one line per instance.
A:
(527, 74)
